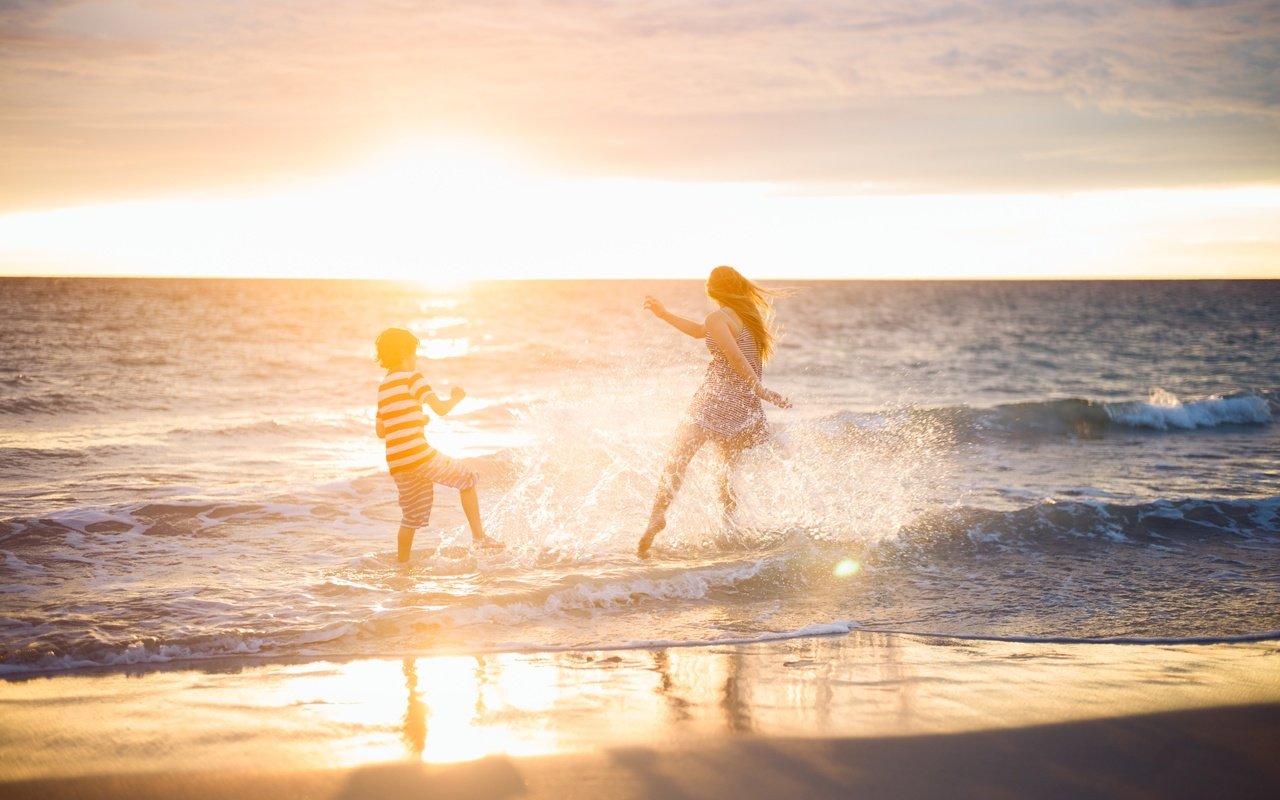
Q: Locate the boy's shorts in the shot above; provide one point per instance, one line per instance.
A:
(417, 487)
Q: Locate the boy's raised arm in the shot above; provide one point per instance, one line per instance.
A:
(443, 407)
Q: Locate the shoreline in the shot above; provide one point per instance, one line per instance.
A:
(241, 661)
(323, 723)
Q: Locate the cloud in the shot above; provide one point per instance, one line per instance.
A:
(131, 96)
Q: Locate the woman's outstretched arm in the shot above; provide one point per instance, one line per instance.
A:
(686, 326)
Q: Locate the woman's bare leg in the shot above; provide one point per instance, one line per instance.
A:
(688, 439)
(730, 455)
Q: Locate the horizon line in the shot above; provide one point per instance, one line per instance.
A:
(620, 278)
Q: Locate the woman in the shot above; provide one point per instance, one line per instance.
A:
(726, 409)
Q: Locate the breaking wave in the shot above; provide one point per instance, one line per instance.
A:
(1085, 418)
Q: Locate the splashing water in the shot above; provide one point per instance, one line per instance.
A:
(581, 491)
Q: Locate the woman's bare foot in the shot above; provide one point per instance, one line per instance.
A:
(646, 542)
(657, 521)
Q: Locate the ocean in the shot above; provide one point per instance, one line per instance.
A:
(188, 469)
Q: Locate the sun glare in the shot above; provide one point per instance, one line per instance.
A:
(442, 213)
(846, 568)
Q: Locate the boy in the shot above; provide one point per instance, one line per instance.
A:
(414, 464)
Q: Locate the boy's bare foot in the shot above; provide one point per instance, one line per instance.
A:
(487, 543)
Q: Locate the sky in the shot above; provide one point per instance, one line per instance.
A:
(571, 138)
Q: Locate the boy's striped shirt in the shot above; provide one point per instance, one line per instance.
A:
(400, 409)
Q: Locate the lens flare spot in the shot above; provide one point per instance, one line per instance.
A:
(846, 568)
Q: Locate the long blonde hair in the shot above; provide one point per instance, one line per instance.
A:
(751, 302)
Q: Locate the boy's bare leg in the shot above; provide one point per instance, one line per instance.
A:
(404, 542)
(471, 507)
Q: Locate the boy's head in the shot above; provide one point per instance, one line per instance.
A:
(395, 345)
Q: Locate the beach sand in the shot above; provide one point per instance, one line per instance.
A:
(869, 713)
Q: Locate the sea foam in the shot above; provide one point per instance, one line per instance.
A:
(1164, 411)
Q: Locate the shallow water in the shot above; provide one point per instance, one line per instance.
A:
(189, 468)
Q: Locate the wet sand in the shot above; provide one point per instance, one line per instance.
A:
(884, 715)
(1222, 752)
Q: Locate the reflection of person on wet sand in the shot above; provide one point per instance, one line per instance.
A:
(677, 705)
(415, 714)
(735, 699)
(726, 410)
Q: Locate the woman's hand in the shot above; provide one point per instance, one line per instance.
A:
(456, 394)
(655, 305)
(771, 396)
